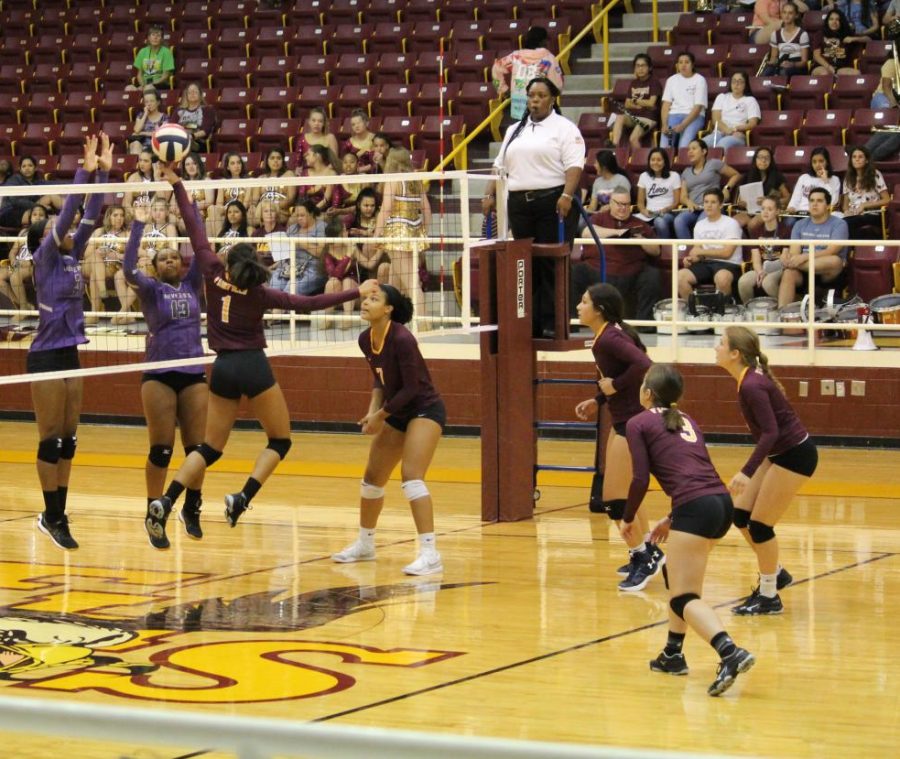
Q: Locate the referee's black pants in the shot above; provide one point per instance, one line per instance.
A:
(537, 218)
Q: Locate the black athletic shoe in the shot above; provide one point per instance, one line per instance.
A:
(157, 513)
(655, 553)
(235, 505)
(729, 668)
(670, 665)
(625, 569)
(784, 579)
(757, 604)
(191, 522)
(643, 568)
(58, 532)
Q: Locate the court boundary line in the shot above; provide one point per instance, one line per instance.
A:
(574, 647)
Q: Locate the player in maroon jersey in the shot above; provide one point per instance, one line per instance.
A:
(667, 443)
(783, 459)
(621, 360)
(236, 298)
(407, 416)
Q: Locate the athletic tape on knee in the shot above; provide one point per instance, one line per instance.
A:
(370, 491)
(741, 518)
(67, 450)
(281, 445)
(615, 508)
(678, 603)
(759, 532)
(414, 490)
(210, 454)
(160, 456)
(49, 450)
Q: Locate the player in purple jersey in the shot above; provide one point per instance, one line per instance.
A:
(171, 306)
(60, 291)
(783, 459)
(407, 416)
(668, 444)
(236, 298)
(621, 360)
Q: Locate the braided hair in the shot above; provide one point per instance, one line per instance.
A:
(554, 93)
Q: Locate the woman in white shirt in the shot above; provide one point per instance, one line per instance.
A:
(820, 174)
(683, 104)
(863, 196)
(733, 114)
(789, 48)
(659, 190)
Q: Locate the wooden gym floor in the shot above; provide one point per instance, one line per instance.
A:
(523, 636)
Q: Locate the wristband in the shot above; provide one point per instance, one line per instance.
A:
(566, 195)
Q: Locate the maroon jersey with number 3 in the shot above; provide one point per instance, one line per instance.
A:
(399, 371)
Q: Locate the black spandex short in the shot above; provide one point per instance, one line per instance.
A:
(237, 373)
(436, 412)
(705, 271)
(619, 427)
(53, 360)
(708, 516)
(178, 381)
(803, 458)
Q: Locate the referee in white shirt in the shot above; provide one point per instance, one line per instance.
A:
(543, 157)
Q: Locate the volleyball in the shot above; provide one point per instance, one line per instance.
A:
(170, 142)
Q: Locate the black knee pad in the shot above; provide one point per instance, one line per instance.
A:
(189, 449)
(741, 518)
(210, 454)
(49, 450)
(759, 532)
(281, 445)
(678, 603)
(160, 455)
(67, 450)
(615, 508)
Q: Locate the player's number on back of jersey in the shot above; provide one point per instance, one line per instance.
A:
(226, 307)
(688, 433)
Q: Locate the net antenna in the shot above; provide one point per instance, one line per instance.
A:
(441, 189)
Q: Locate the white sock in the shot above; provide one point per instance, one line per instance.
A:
(426, 542)
(767, 585)
(367, 536)
(642, 548)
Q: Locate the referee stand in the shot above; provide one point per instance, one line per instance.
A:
(509, 375)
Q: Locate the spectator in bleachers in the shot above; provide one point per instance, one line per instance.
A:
(821, 225)
(712, 264)
(320, 163)
(891, 13)
(683, 104)
(359, 143)
(884, 96)
(19, 271)
(195, 115)
(338, 260)
(766, 20)
(512, 73)
(659, 189)
(820, 174)
(789, 46)
(862, 15)
(146, 172)
(764, 171)
(627, 266)
(6, 170)
(315, 132)
(275, 167)
(146, 122)
(836, 48)
(610, 178)
(642, 104)
(233, 167)
(381, 146)
(154, 63)
(372, 262)
(863, 196)
(235, 224)
(765, 274)
(733, 113)
(15, 210)
(703, 174)
(310, 273)
(193, 168)
(344, 200)
(103, 256)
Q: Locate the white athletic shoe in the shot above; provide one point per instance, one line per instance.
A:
(425, 564)
(354, 552)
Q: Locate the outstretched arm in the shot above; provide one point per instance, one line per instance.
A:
(129, 264)
(70, 206)
(203, 251)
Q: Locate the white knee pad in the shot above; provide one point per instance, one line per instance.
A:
(370, 491)
(414, 490)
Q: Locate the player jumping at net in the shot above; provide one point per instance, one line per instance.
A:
(667, 443)
(784, 458)
(621, 360)
(171, 306)
(407, 416)
(236, 298)
(60, 290)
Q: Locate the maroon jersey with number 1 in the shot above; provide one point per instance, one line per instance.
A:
(399, 371)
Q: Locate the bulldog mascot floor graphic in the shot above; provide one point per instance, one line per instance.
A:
(69, 629)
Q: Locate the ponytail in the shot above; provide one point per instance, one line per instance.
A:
(244, 268)
(746, 342)
(666, 385)
(672, 418)
(764, 366)
(607, 300)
